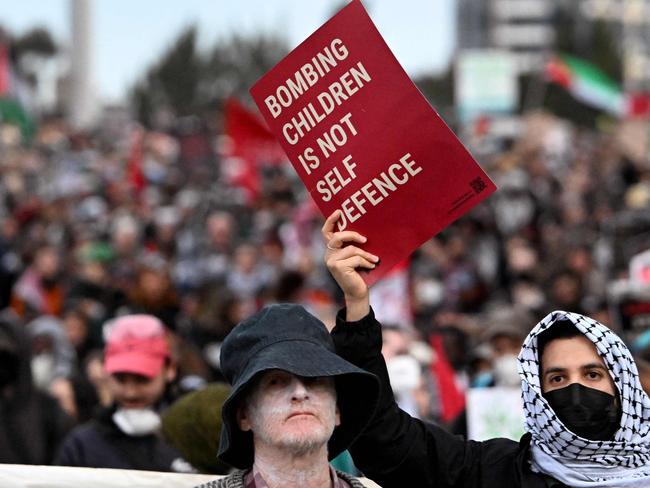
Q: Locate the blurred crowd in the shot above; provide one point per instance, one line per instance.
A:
(127, 221)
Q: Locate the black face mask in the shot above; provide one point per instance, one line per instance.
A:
(587, 412)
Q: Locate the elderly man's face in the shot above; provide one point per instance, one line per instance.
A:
(290, 412)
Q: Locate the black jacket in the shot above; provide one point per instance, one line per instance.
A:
(32, 425)
(397, 450)
(99, 443)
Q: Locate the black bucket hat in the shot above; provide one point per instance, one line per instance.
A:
(288, 338)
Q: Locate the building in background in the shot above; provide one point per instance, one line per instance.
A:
(531, 28)
(523, 28)
(473, 24)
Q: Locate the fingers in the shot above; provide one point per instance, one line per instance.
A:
(335, 240)
(341, 266)
(350, 251)
(328, 226)
(350, 259)
(341, 255)
(328, 230)
(338, 239)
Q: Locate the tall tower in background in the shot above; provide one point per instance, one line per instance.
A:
(82, 103)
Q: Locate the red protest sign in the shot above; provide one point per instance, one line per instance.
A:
(364, 140)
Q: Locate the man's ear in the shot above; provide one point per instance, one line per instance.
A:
(242, 419)
(337, 418)
(170, 372)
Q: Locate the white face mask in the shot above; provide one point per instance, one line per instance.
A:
(505, 371)
(404, 373)
(137, 421)
(42, 370)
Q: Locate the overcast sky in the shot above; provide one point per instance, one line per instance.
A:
(130, 34)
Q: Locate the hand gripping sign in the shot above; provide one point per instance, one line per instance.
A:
(364, 140)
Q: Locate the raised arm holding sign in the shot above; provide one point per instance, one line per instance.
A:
(365, 141)
(587, 416)
(390, 174)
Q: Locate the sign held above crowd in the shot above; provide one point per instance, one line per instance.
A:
(364, 140)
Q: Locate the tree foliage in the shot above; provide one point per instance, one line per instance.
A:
(171, 83)
(37, 41)
(439, 91)
(179, 72)
(595, 42)
(234, 65)
(186, 81)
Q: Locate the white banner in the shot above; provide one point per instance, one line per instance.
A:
(486, 83)
(24, 476)
(494, 412)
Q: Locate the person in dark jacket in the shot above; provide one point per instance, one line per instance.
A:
(127, 434)
(32, 425)
(293, 405)
(587, 417)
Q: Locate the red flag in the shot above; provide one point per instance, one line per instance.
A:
(5, 71)
(250, 146)
(558, 72)
(452, 399)
(134, 174)
(638, 104)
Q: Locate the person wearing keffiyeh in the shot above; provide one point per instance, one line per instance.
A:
(587, 417)
(586, 411)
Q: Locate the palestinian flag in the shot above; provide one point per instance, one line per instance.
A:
(587, 83)
(12, 111)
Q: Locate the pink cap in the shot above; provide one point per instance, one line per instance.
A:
(136, 344)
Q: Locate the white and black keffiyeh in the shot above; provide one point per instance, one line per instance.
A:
(573, 460)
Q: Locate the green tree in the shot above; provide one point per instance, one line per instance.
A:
(234, 65)
(179, 72)
(439, 91)
(186, 81)
(172, 82)
(605, 51)
(37, 41)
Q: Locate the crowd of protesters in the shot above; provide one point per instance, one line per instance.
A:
(124, 221)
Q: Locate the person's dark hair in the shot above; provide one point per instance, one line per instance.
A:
(562, 329)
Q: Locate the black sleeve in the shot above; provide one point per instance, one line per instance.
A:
(56, 425)
(397, 450)
(71, 452)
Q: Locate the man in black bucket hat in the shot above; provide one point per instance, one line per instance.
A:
(294, 403)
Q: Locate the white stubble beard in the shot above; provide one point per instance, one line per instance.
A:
(264, 425)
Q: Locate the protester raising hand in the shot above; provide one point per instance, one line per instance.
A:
(586, 412)
(346, 261)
